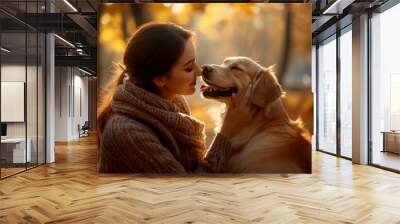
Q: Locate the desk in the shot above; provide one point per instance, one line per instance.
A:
(13, 150)
(391, 141)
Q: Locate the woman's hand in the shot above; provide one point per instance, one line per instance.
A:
(239, 114)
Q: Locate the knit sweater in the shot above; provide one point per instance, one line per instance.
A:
(148, 134)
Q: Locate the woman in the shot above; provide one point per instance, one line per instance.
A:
(145, 126)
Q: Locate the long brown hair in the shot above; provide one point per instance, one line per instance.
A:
(151, 52)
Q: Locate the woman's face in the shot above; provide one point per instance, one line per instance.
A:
(182, 77)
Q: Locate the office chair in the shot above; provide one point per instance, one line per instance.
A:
(84, 130)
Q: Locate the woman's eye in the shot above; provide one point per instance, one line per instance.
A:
(189, 69)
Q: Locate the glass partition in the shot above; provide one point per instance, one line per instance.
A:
(32, 95)
(22, 91)
(41, 96)
(14, 145)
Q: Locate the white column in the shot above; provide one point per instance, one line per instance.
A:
(50, 93)
(360, 90)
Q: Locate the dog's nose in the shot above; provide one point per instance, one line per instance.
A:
(206, 69)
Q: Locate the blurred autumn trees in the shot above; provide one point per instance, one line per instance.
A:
(277, 34)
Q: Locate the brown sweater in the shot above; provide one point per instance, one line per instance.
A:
(148, 134)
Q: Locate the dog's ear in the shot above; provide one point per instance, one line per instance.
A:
(265, 89)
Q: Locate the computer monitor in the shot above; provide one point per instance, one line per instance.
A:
(3, 129)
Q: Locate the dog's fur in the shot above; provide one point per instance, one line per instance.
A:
(271, 142)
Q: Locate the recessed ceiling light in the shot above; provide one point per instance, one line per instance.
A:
(84, 71)
(5, 49)
(70, 5)
(64, 40)
(337, 7)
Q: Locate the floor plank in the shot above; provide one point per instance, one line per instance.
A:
(71, 191)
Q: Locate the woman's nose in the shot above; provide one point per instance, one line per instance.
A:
(198, 70)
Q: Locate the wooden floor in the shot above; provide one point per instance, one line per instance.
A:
(70, 191)
(5, 172)
(10, 171)
(387, 159)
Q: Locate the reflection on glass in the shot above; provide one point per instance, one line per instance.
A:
(31, 100)
(327, 96)
(346, 94)
(41, 99)
(385, 86)
(14, 153)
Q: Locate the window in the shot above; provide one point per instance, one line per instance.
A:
(327, 96)
(346, 93)
(385, 88)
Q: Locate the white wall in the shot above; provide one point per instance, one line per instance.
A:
(12, 73)
(81, 100)
(61, 103)
(71, 93)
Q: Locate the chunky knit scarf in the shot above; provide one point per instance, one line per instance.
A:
(177, 130)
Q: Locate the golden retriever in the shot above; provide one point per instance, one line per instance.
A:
(272, 142)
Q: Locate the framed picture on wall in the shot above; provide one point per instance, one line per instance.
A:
(12, 101)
